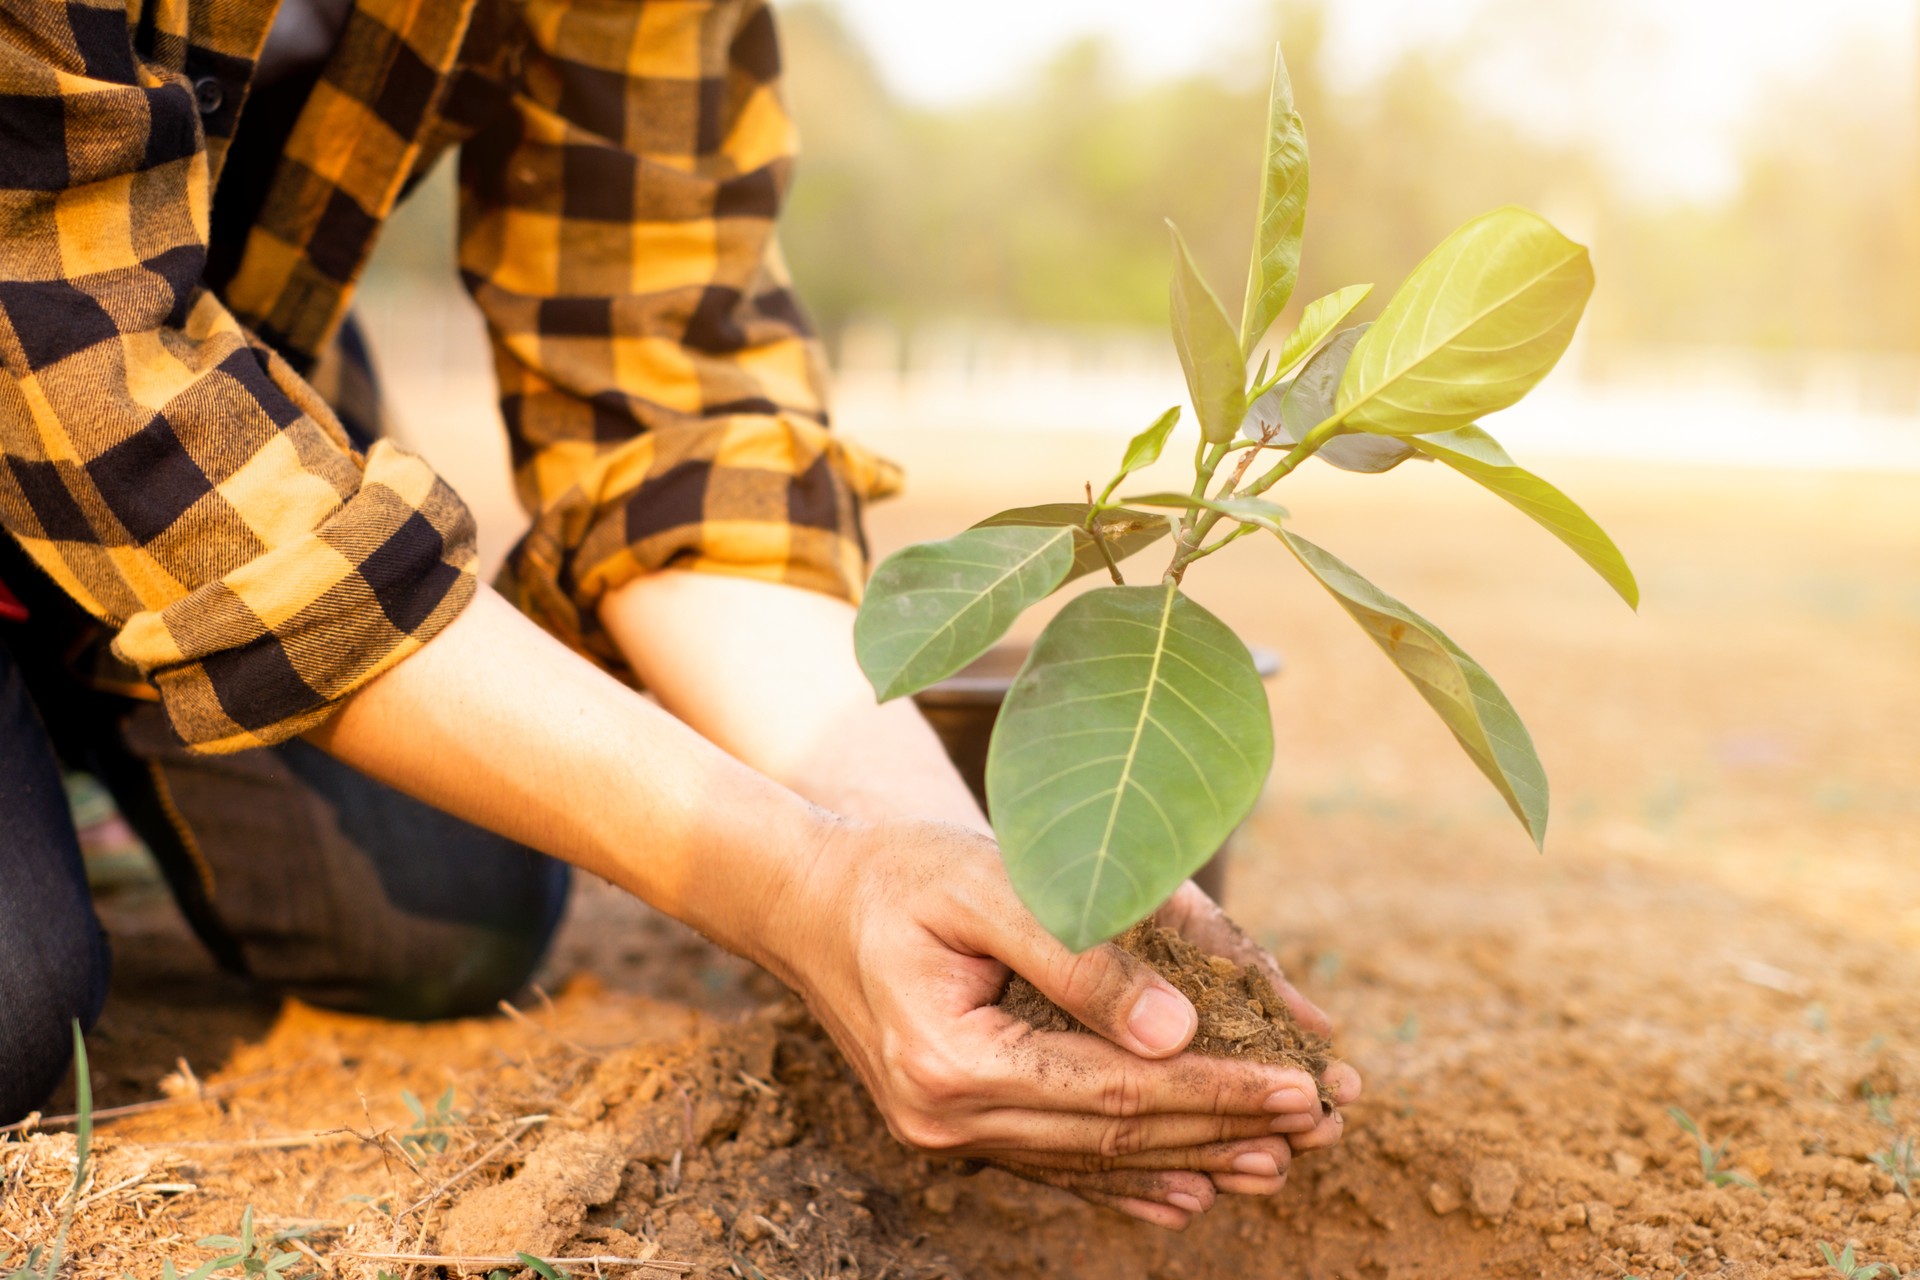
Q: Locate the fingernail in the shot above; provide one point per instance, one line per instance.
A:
(1291, 1098)
(1161, 1020)
(1256, 1163)
(1181, 1200)
(1298, 1122)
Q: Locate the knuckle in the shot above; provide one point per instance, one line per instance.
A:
(923, 1132)
(1228, 1094)
(1123, 1094)
(1082, 977)
(931, 1076)
(1122, 1137)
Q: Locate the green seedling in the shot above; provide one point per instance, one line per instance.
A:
(1711, 1156)
(544, 1269)
(1844, 1264)
(1137, 735)
(246, 1255)
(1899, 1162)
(431, 1129)
(1879, 1105)
(43, 1262)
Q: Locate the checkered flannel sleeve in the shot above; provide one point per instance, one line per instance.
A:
(170, 472)
(664, 394)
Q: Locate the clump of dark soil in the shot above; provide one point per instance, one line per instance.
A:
(1241, 1016)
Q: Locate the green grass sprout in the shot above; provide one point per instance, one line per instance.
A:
(1711, 1157)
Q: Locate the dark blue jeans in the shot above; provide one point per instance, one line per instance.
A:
(291, 867)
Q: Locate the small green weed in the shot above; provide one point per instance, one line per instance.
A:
(539, 1267)
(430, 1132)
(42, 1263)
(30, 1265)
(1844, 1264)
(1326, 966)
(1900, 1163)
(244, 1254)
(1879, 1105)
(1711, 1156)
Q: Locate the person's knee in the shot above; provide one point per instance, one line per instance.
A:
(439, 968)
(346, 894)
(53, 956)
(43, 1004)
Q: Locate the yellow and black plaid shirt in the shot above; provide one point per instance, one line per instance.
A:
(164, 454)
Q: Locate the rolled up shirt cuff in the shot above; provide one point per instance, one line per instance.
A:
(776, 498)
(272, 648)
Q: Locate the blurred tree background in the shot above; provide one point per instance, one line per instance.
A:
(1046, 204)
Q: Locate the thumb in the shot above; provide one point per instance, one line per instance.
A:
(1112, 993)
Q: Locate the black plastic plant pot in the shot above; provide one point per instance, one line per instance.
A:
(963, 707)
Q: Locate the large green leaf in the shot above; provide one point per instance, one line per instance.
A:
(1308, 401)
(1144, 449)
(1210, 352)
(1472, 330)
(1479, 457)
(1282, 217)
(1320, 318)
(1454, 685)
(1125, 531)
(1133, 742)
(932, 608)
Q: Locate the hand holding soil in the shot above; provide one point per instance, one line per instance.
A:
(902, 937)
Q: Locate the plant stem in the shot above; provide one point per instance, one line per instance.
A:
(1106, 553)
(1239, 532)
(1261, 388)
(1206, 460)
(1194, 531)
(1099, 538)
(1308, 446)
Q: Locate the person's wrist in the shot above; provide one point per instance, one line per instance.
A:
(804, 899)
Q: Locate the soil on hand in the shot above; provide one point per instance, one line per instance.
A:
(1241, 1016)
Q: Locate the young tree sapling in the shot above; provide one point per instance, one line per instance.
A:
(1136, 737)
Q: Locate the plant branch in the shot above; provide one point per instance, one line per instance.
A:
(1206, 461)
(1239, 532)
(1099, 538)
(1308, 446)
(1206, 520)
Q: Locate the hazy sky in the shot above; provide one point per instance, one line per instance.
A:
(1661, 84)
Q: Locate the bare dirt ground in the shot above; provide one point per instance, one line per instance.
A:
(1726, 920)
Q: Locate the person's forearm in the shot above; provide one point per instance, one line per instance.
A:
(768, 673)
(498, 723)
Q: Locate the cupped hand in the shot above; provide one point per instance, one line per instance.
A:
(901, 935)
(1199, 919)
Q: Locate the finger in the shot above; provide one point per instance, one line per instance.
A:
(1199, 919)
(1343, 1082)
(1103, 1141)
(1258, 1157)
(1191, 1192)
(1067, 1071)
(1235, 1184)
(1323, 1135)
(1159, 1215)
(1113, 994)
